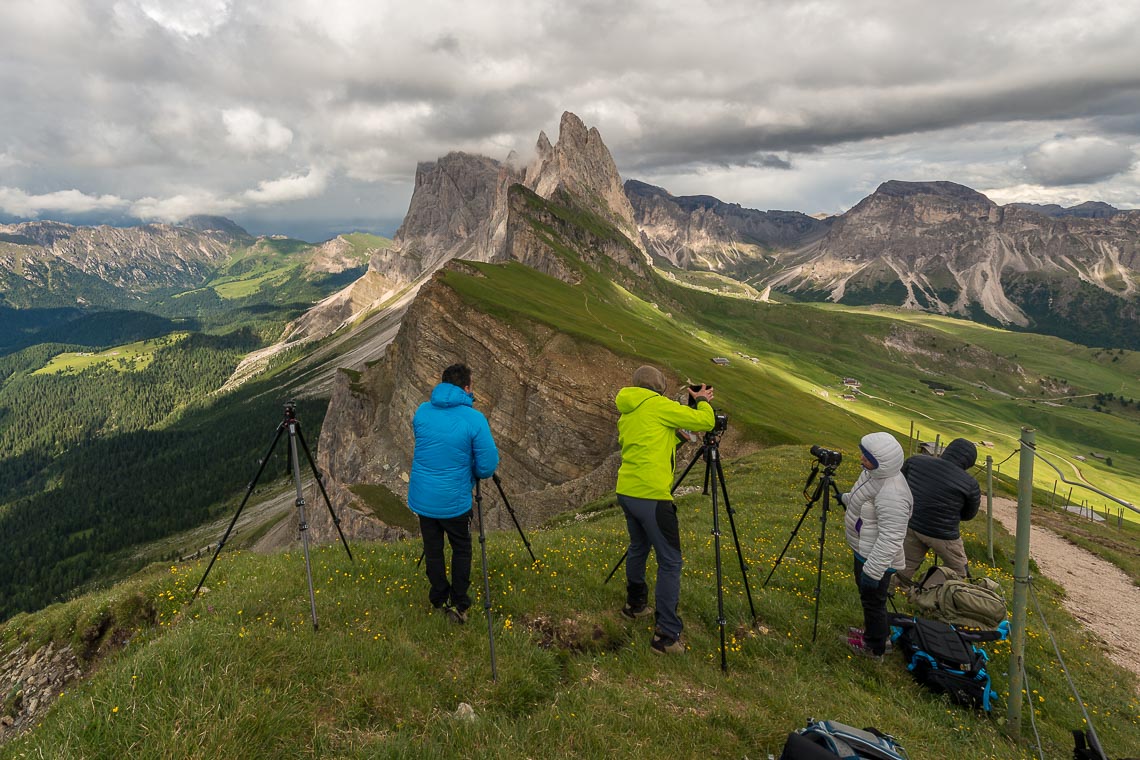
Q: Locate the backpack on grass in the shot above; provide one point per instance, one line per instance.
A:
(946, 660)
(828, 740)
(944, 595)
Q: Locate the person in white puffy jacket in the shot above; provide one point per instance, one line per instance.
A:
(878, 510)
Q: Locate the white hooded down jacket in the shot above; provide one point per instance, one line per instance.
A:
(879, 507)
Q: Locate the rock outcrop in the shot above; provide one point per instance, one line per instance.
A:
(564, 216)
(461, 208)
(702, 232)
(554, 425)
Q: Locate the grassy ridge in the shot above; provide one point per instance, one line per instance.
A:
(793, 392)
(242, 667)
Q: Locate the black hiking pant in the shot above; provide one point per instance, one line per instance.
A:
(875, 626)
(458, 532)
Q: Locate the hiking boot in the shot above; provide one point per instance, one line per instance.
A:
(662, 644)
(863, 651)
(855, 641)
(633, 613)
(459, 617)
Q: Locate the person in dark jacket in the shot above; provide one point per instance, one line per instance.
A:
(944, 495)
(453, 447)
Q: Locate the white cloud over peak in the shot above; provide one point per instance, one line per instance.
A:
(178, 207)
(292, 188)
(19, 203)
(250, 132)
(1078, 160)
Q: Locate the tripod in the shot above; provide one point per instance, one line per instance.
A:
(514, 518)
(714, 476)
(293, 425)
(824, 488)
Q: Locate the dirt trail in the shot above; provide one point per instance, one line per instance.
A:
(1097, 593)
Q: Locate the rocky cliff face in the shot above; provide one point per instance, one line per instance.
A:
(702, 232)
(945, 248)
(554, 425)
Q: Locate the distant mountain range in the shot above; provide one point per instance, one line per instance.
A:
(932, 246)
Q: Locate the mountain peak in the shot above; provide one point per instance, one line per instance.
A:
(207, 223)
(951, 190)
(581, 164)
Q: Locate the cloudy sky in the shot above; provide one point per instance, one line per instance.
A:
(308, 117)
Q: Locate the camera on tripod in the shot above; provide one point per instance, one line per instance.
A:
(826, 457)
(721, 418)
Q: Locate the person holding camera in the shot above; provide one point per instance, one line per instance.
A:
(647, 432)
(945, 495)
(453, 447)
(878, 509)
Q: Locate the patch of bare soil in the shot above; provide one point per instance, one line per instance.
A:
(1097, 593)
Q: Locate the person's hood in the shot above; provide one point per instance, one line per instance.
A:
(961, 452)
(630, 398)
(886, 451)
(446, 395)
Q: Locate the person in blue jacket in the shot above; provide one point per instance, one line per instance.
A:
(453, 447)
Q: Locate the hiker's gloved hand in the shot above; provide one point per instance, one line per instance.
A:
(868, 584)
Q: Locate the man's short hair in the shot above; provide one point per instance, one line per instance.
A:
(457, 374)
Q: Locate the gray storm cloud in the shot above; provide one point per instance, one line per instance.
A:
(212, 106)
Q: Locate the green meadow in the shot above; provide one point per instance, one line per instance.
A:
(993, 382)
(242, 667)
(130, 357)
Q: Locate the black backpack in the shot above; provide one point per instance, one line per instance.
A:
(828, 740)
(945, 660)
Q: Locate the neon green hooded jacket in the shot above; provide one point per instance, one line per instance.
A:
(647, 434)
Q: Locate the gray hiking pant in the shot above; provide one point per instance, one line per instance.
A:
(951, 551)
(653, 524)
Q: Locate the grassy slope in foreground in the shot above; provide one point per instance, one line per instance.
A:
(243, 668)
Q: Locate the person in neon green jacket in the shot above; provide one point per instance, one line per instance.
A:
(647, 432)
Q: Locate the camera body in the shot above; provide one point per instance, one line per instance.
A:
(721, 423)
(826, 457)
(692, 402)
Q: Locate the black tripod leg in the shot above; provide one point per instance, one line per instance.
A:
(233, 522)
(619, 564)
(711, 474)
(486, 581)
(822, 538)
(514, 518)
(302, 523)
(735, 537)
(791, 538)
(321, 485)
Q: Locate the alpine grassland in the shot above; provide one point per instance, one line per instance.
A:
(241, 670)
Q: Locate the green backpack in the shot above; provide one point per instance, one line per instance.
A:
(944, 595)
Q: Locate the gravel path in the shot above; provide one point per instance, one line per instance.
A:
(1097, 593)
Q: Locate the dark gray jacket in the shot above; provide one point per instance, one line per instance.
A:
(944, 493)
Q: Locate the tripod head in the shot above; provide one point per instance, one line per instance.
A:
(290, 412)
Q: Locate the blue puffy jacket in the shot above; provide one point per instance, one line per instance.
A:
(453, 447)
